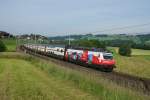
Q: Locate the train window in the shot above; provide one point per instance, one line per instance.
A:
(79, 55)
(74, 53)
(61, 50)
(107, 56)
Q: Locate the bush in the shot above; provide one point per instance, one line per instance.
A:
(125, 50)
(2, 46)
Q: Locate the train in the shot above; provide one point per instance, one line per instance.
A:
(94, 57)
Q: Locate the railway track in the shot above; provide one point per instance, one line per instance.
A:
(135, 83)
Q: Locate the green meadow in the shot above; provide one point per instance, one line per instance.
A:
(138, 64)
(23, 77)
(134, 51)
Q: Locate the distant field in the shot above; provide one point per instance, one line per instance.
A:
(10, 44)
(134, 51)
(33, 79)
(140, 52)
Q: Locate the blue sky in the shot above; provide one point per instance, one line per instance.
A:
(60, 17)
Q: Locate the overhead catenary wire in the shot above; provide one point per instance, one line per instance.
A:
(104, 30)
(120, 28)
(113, 29)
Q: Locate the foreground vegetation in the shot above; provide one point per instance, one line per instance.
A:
(24, 77)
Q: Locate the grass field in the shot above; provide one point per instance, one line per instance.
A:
(27, 82)
(134, 51)
(27, 78)
(138, 64)
(135, 65)
(10, 44)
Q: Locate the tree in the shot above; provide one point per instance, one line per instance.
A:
(2, 46)
(125, 50)
(92, 43)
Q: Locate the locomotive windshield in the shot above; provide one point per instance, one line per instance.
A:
(108, 56)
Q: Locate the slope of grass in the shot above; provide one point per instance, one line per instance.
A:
(135, 65)
(38, 79)
(10, 44)
(26, 82)
(138, 64)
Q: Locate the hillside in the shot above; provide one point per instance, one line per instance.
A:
(38, 79)
(135, 37)
(4, 34)
(25, 77)
(137, 41)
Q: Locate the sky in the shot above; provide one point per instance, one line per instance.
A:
(62, 17)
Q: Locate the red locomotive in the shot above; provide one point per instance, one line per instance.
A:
(93, 58)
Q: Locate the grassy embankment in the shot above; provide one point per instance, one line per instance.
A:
(138, 64)
(25, 78)
(28, 78)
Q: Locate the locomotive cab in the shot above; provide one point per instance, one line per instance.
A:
(107, 60)
(107, 56)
